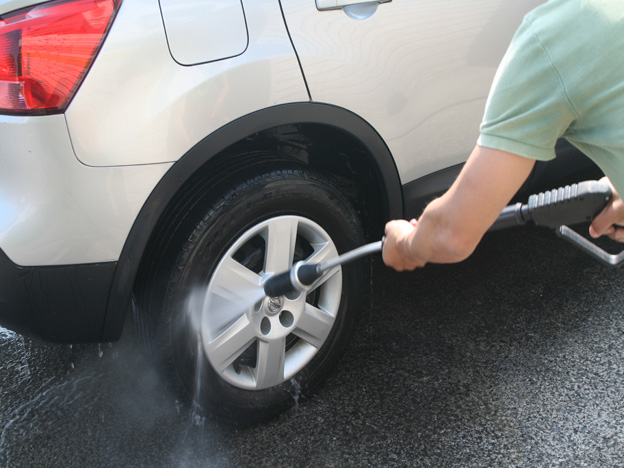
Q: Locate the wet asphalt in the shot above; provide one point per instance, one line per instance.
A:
(513, 358)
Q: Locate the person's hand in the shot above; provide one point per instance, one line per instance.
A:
(610, 221)
(396, 251)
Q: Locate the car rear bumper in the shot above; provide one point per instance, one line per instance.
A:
(64, 303)
(62, 227)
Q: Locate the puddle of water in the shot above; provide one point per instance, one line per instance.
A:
(17, 359)
(7, 334)
(49, 401)
(108, 397)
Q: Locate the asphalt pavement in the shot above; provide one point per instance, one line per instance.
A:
(513, 358)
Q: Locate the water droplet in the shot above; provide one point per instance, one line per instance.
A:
(199, 420)
(297, 392)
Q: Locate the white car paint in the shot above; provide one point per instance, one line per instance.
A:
(128, 113)
(202, 31)
(56, 210)
(418, 71)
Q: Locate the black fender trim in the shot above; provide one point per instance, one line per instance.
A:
(420, 192)
(286, 114)
(64, 304)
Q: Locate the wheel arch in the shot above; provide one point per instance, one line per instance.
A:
(298, 133)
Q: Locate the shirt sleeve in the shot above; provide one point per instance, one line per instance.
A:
(528, 107)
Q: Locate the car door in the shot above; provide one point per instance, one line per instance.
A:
(418, 71)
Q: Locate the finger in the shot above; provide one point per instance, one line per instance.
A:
(617, 234)
(596, 234)
(604, 221)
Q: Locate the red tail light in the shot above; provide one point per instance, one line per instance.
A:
(46, 50)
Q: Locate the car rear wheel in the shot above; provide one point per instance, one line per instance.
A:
(213, 332)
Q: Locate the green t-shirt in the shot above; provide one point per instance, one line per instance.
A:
(563, 76)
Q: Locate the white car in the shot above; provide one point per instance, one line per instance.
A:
(170, 156)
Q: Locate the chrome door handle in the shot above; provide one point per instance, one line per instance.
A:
(338, 4)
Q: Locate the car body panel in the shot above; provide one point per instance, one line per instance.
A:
(127, 112)
(200, 31)
(56, 210)
(418, 71)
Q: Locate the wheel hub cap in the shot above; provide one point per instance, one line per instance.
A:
(274, 305)
(282, 333)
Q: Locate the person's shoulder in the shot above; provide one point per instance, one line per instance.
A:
(555, 10)
(570, 12)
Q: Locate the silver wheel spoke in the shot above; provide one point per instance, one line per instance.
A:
(314, 326)
(322, 253)
(281, 237)
(270, 366)
(228, 346)
(233, 291)
(232, 278)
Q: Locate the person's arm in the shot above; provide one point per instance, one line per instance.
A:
(451, 226)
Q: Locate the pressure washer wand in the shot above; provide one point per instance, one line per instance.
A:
(302, 275)
(571, 204)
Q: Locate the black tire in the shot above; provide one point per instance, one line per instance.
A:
(186, 320)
